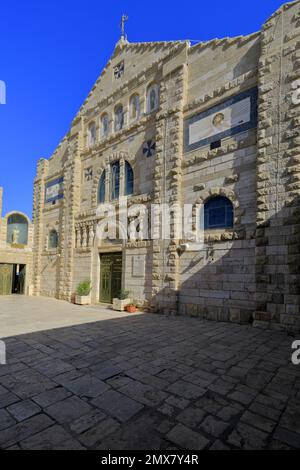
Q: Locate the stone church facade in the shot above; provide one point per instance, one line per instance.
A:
(217, 124)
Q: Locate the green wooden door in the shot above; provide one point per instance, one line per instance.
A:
(6, 279)
(110, 276)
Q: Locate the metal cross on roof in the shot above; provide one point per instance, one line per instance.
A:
(123, 21)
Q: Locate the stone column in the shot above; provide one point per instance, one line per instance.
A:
(122, 177)
(71, 205)
(38, 239)
(167, 179)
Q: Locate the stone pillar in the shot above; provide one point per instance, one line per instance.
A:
(91, 235)
(167, 180)
(122, 177)
(107, 185)
(278, 173)
(38, 207)
(71, 205)
(84, 236)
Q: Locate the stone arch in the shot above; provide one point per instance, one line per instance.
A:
(237, 213)
(103, 165)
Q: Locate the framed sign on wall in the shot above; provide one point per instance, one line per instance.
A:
(54, 190)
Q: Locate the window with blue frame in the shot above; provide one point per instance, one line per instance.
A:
(129, 179)
(101, 190)
(115, 180)
(218, 213)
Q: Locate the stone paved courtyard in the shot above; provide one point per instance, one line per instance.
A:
(146, 382)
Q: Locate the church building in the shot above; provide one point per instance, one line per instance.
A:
(214, 124)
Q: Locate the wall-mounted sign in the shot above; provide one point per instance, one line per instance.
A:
(54, 190)
(238, 114)
(138, 266)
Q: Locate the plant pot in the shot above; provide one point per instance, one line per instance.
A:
(131, 309)
(120, 305)
(82, 299)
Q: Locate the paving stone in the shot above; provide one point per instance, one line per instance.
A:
(97, 433)
(241, 397)
(20, 431)
(288, 437)
(186, 390)
(87, 386)
(6, 420)
(68, 410)
(51, 396)
(219, 445)
(52, 368)
(84, 423)
(139, 434)
(106, 370)
(7, 399)
(258, 421)
(144, 393)
(191, 417)
(177, 402)
(291, 417)
(54, 437)
(118, 405)
(23, 410)
(266, 411)
(247, 437)
(166, 409)
(208, 405)
(186, 438)
(213, 426)
(118, 381)
(229, 412)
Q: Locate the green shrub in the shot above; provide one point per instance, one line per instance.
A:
(123, 294)
(84, 288)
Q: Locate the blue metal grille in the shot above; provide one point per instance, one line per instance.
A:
(218, 213)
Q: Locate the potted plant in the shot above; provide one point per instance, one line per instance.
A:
(121, 301)
(131, 308)
(83, 293)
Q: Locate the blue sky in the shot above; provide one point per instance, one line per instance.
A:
(52, 53)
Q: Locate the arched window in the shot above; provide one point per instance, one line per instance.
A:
(218, 213)
(101, 190)
(152, 98)
(53, 240)
(129, 179)
(91, 135)
(17, 230)
(135, 107)
(104, 128)
(115, 180)
(119, 118)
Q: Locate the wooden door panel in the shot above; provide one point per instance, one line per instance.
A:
(110, 276)
(6, 278)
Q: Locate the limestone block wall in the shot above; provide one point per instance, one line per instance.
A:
(218, 281)
(138, 271)
(82, 269)
(278, 173)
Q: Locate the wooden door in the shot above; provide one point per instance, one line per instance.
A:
(110, 276)
(6, 279)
